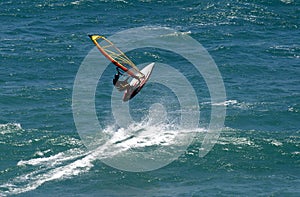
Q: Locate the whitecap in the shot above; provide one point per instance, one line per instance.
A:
(10, 128)
(287, 1)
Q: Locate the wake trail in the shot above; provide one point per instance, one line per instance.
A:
(76, 161)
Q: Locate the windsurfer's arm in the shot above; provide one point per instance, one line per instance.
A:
(118, 71)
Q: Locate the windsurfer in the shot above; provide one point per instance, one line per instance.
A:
(120, 85)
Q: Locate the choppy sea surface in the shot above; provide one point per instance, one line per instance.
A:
(254, 43)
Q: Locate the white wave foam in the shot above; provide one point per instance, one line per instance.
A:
(287, 1)
(57, 167)
(144, 134)
(76, 161)
(11, 125)
(236, 141)
(274, 142)
(53, 160)
(9, 128)
(233, 103)
(226, 103)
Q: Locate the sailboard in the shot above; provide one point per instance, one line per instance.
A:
(138, 77)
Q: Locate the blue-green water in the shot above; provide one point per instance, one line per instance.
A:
(256, 46)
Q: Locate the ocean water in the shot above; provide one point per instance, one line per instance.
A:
(254, 43)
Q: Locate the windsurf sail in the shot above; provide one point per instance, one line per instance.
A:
(116, 56)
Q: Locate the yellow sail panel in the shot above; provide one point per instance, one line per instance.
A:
(115, 54)
(95, 37)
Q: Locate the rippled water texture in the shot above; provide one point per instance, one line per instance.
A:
(255, 45)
